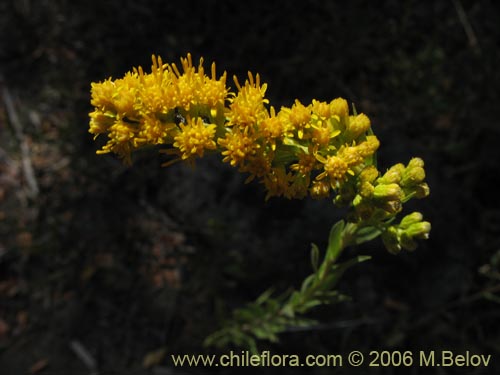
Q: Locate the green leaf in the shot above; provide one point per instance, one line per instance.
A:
(264, 296)
(307, 282)
(335, 241)
(354, 112)
(288, 310)
(366, 234)
(342, 267)
(314, 256)
(310, 304)
(372, 160)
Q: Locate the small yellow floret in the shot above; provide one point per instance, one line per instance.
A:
(194, 138)
(238, 145)
(247, 107)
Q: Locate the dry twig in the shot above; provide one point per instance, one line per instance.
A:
(27, 165)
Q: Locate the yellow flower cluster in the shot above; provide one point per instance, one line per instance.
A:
(166, 106)
(315, 149)
(300, 150)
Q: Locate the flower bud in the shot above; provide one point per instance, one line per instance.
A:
(419, 230)
(413, 176)
(368, 147)
(358, 125)
(393, 175)
(391, 240)
(415, 162)
(392, 207)
(389, 192)
(364, 210)
(414, 217)
(422, 190)
(366, 189)
(320, 189)
(339, 107)
(369, 174)
(407, 242)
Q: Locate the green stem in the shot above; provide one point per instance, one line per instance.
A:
(323, 272)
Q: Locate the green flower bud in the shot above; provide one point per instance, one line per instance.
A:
(413, 176)
(393, 175)
(407, 242)
(391, 240)
(419, 230)
(413, 218)
(415, 162)
(389, 192)
(358, 199)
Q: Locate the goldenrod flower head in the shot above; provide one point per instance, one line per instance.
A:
(351, 155)
(186, 83)
(321, 134)
(247, 107)
(296, 117)
(237, 146)
(305, 165)
(213, 92)
(358, 125)
(194, 138)
(258, 165)
(366, 180)
(339, 107)
(335, 168)
(121, 136)
(369, 174)
(102, 95)
(157, 95)
(100, 122)
(153, 131)
(319, 189)
(271, 127)
(322, 109)
(368, 147)
(299, 187)
(277, 182)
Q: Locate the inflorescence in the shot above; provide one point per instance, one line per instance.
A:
(319, 149)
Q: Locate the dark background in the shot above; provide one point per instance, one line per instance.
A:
(130, 261)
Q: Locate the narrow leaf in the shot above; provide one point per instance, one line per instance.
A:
(335, 240)
(366, 234)
(314, 256)
(264, 296)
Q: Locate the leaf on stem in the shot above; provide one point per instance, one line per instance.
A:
(335, 241)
